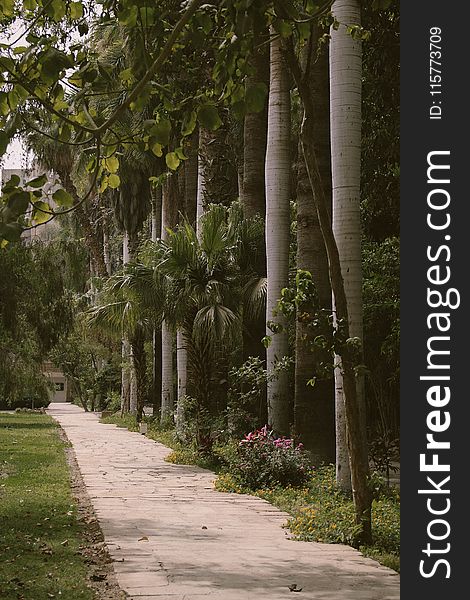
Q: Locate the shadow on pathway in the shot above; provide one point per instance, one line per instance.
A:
(172, 536)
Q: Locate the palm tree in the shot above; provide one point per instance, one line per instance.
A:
(155, 232)
(253, 194)
(169, 219)
(345, 115)
(210, 283)
(132, 206)
(346, 346)
(128, 306)
(314, 406)
(64, 160)
(278, 230)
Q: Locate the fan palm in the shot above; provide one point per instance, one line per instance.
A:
(200, 285)
(129, 306)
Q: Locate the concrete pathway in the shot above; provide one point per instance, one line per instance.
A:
(173, 537)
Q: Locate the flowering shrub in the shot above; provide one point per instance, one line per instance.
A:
(264, 460)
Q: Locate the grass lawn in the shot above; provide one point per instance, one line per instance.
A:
(39, 531)
(320, 512)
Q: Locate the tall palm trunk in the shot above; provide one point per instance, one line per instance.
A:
(107, 250)
(156, 229)
(345, 114)
(314, 406)
(191, 181)
(278, 231)
(253, 192)
(190, 210)
(357, 439)
(169, 216)
(130, 247)
(182, 370)
(125, 346)
(139, 370)
(255, 137)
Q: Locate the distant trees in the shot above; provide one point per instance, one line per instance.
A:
(36, 310)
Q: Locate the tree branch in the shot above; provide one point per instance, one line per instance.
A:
(158, 62)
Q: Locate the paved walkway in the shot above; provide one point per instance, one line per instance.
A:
(173, 537)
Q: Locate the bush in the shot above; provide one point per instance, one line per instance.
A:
(263, 460)
(112, 402)
(38, 402)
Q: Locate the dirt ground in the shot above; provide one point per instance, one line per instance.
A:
(101, 576)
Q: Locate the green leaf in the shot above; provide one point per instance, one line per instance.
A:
(304, 30)
(142, 100)
(12, 183)
(65, 132)
(7, 7)
(127, 75)
(4, 141)
(208, 117)
(103, 185)
(109, 151)
(91, 165)
(128, 16)
(40, 214)
(157, 149)
(29, 4)
(37, 182)
(76, 10)
(4, 107)
(180, 153)
(172, 161)
(53, 62)
(255, 97)
(62, 198)
(147, 16)
(114, 181)
(56, 10)
(112, 164)
(17, 96)
(161, 132)
(204, 20)
(239, 110)
(189, 123)
(266, 341)
(18, 203)
(284, 28)
(11, 231)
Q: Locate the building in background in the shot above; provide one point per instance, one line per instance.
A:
(60, 392)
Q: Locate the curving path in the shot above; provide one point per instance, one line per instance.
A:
(173, 537)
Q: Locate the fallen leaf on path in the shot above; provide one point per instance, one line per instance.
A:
(144, 538)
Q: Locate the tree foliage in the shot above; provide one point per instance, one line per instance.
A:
(35, 310)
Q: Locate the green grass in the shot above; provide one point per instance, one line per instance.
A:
(319, 511)
(39, 531)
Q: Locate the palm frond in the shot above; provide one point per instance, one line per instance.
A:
(254, 297)
(216, 321)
